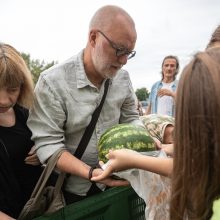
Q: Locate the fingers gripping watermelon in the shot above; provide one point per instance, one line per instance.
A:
(126, 136)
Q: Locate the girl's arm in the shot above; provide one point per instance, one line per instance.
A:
(124, 159)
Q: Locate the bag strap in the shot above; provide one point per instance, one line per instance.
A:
(90, 128)
(51, 163)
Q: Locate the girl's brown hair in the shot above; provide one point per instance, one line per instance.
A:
(14, 73)
(214, 38)
(196, 175)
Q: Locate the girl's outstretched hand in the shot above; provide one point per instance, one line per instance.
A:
(118, 160)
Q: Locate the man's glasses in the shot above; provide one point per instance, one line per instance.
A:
(119, 51)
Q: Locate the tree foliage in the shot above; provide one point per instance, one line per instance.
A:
(36, 66)
(142, 94)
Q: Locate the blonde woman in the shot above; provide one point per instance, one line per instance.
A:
(19, 165)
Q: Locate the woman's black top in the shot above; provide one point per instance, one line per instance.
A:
(17, 179)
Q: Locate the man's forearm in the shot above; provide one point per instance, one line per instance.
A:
(70, 164)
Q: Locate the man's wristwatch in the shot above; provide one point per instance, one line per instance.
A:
(90, 173)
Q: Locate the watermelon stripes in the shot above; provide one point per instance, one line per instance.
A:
(124, 136)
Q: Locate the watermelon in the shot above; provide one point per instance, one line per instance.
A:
(127, 136)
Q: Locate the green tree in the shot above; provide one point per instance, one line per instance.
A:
(36, 66)
(142, 94)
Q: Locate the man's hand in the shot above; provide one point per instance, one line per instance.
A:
(105, 177)
(163, 92)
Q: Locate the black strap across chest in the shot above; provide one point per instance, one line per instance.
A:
(90, 128)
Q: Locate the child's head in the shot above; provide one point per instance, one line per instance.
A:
(14, 73)
(168, 134)
(160, 127)
(196, 172)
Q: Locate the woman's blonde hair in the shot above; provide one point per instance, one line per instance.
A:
(196, 174)
(14, 73)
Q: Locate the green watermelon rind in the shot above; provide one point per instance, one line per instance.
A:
(137, 138)
(114, 131)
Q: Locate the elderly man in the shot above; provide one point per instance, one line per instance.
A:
(67, 95)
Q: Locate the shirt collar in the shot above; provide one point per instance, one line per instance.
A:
(81, 78)
(173, 85)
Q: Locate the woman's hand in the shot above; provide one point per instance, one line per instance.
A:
(4, 216)
(32, 158)
(167, 148)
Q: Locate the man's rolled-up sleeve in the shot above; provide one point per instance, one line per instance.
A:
(46, 120)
